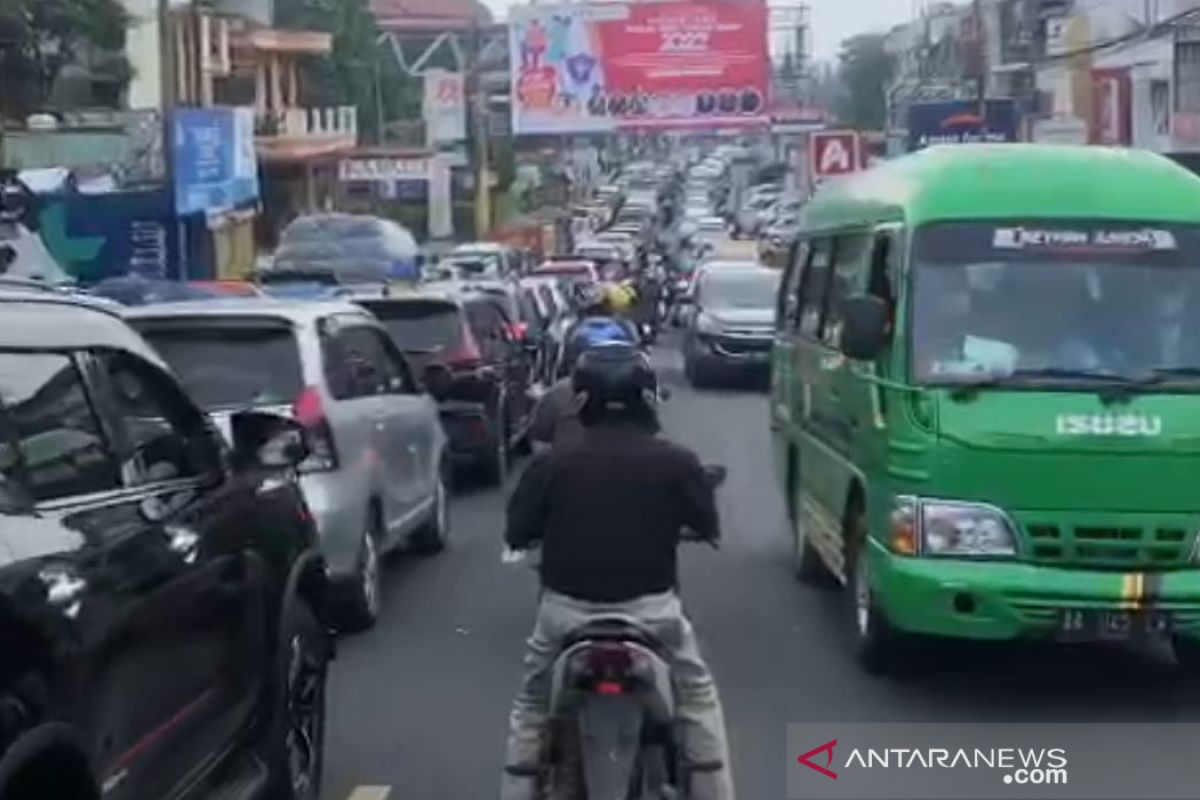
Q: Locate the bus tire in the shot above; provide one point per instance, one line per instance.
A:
(878, 647)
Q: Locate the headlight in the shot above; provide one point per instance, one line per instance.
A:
(706, 323)
(964, 530)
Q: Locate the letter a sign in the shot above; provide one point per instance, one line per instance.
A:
(833, 153)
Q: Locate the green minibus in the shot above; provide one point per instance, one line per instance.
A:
(985, 397)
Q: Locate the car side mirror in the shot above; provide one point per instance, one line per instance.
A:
(267, 440)
(438, 380)
(866, 327)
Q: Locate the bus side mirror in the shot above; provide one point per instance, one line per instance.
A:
(866, 327)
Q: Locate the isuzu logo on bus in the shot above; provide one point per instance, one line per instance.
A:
(1108, 425)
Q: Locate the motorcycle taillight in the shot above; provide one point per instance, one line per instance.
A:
(609, 661)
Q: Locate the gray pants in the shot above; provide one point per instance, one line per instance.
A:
(698, 707)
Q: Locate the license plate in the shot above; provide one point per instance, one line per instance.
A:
(1079, 624)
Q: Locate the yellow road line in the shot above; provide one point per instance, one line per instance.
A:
(371, 793)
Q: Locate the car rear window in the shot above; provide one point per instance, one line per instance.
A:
(231, 364)
(420, 326)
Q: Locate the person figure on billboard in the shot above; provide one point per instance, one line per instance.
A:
(533, 46)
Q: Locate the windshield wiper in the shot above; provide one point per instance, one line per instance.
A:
(1107, 381)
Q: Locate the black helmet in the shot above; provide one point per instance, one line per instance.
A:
(617, 382)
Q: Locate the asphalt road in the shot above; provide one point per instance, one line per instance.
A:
(418, 706)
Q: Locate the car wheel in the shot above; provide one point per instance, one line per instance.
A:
(435, 533)
(877, 646)
(295, 736)
(364, 593)
(495, 468)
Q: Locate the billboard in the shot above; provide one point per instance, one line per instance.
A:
(959, 122)
(216, 166)
(445, 107)
(597, 67)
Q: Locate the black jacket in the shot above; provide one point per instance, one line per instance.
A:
(608, 511)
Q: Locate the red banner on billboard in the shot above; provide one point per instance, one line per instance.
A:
(610, 66)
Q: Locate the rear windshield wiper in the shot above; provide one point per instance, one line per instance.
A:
(1110, 381)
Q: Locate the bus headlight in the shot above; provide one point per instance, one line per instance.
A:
(965, 530)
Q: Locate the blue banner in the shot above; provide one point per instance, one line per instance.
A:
(959, 122)
(94, 237)
(216, 168)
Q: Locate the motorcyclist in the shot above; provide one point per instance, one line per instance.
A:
(608, 511)
(600, 318)
(556, 415)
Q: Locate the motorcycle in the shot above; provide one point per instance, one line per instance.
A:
(613, 732)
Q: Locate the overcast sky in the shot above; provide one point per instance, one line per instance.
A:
(835, 20)
(832, 20)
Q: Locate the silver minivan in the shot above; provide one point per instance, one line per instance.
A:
(378, 474)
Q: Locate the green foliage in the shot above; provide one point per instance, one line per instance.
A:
(361, 72)
(865, 69)
(38, 38)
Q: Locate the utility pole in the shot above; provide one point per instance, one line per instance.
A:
(168, 71)
(981, 43)
(483, 197)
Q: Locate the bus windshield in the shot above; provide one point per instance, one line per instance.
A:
(1052, 303)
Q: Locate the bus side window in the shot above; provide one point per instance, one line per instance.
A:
(814, 284)
(847, 279)
(787, 313)
(883, 269)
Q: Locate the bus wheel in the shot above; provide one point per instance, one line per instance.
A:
(877, 646)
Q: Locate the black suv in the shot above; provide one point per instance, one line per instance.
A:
(161, 595)
(483, 369)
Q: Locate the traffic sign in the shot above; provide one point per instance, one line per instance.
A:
(834, 153)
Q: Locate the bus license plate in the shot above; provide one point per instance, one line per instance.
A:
(1079, 624)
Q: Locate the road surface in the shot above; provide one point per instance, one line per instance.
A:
(418, 706)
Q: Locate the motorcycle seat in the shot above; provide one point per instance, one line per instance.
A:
(613, 629)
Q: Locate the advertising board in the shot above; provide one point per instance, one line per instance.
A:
(596, 67)
(959, 122)
(216, 166)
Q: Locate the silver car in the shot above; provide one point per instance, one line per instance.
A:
(378, 474)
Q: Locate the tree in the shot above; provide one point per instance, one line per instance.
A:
(864, 69)
(39, 38)
(361, 72)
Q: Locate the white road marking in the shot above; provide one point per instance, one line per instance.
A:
(371, 793)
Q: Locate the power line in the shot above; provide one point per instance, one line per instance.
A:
(1143, 34)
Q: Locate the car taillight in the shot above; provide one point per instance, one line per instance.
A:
(309, 411)
(466, 356)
